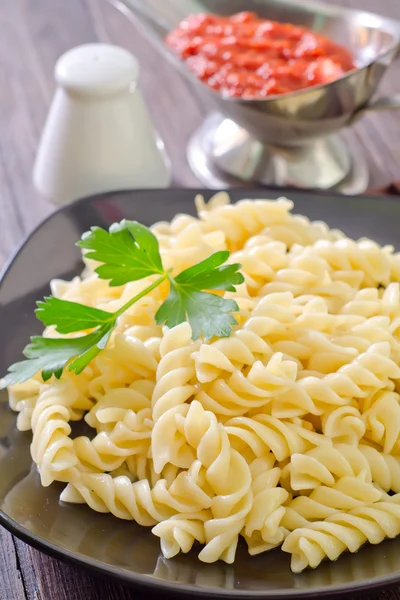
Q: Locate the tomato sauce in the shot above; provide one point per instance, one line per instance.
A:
(245, 56)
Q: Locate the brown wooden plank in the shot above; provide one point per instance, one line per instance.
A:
(19, 205)
(393, 594)
(11, 579)
(46, 578)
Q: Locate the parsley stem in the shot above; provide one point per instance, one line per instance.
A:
(144, 292)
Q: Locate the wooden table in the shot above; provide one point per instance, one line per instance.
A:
(33, 34)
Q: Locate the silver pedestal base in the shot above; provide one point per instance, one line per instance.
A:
(222, 155)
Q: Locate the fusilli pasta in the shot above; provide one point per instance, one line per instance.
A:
(286, 433)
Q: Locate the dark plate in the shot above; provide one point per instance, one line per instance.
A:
(122, 549)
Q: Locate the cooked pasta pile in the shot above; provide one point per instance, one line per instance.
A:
(285, 433)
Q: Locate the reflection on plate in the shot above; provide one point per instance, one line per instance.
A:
(125, 550)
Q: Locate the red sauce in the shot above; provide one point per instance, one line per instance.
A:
(245, 56)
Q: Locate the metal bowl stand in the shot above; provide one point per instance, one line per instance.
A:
(222, 154)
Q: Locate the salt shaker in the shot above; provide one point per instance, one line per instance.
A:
(98, 136)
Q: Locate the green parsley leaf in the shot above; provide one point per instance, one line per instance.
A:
(129, 251)
(210, 275)
(70, 317)
(206, 313)
(51, 355)
(97, 343)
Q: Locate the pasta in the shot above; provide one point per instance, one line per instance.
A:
(287, 433)
(324, 501)
(343, 531)
(325, 464)
(263, 528)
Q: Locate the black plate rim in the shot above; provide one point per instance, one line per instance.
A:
(147, 581)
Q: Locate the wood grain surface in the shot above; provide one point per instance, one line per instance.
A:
(33, 34)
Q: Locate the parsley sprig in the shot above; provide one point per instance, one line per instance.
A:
(128, 251)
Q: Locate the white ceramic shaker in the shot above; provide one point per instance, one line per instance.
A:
(98, 136)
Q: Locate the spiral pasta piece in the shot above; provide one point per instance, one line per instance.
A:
(52, 448)
(263, 434)
(325, 464)
(347, 493)
(344, 425)
(261, 261)
(113, 404)
(228, 355)
(141, 466)
(382, 420)
(263, 529)
(107, 451)
(178, 534)
(22, 398)
(129, 359)
(175, 370)
(239, 393)
(340, 532)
